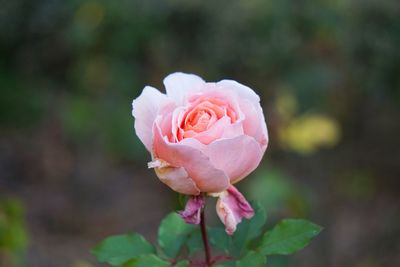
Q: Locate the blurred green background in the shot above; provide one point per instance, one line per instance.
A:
(72, 171)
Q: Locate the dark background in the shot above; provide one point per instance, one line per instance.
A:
(72, 170)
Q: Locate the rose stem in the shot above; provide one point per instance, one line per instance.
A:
(205, 238)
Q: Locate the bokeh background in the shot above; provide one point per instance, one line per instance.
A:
(72, 170)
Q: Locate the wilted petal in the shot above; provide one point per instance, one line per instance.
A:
(232, 207)
(192, 211)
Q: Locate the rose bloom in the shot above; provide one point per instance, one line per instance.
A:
(203, 138)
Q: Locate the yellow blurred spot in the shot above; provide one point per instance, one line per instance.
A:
(286, 104)
(309, 132)
(89, 15)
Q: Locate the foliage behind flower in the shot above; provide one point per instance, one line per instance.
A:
(179, 243)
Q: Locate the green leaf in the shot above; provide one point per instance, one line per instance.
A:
(172, 233)
(288, 236)
(248, 230)
(253, 259)
(115, 250)
(146, 261)
(226, 263)
(194, 242)
(220, 239)
(184, 263)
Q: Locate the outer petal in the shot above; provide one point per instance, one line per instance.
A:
(199, 167)
(144, 109)
(193, 207)
(238, 156)
(178, 179)
(254, 123)
(232, 207)
(179, 85)
(241, 90)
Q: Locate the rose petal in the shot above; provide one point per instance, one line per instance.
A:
(231, 208)
(193, 207)
(144, 109)
(214, 132)
(233, 130)
(177, 117)
(241, 90)
(245, 102)
(238, 156)
(199, 167)
(178, 179)
(225, 128)
(224, 95)
(179, 85)
(254, 123)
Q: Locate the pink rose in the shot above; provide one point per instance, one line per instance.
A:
(203, 137)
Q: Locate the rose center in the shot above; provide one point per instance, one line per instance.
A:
(201, 115)
(198, 121)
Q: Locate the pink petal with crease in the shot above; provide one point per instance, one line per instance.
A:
(237, 157)
(199, 167)
(231, 208)
(178, 179)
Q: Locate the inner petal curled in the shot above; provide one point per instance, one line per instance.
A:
(201, 119)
